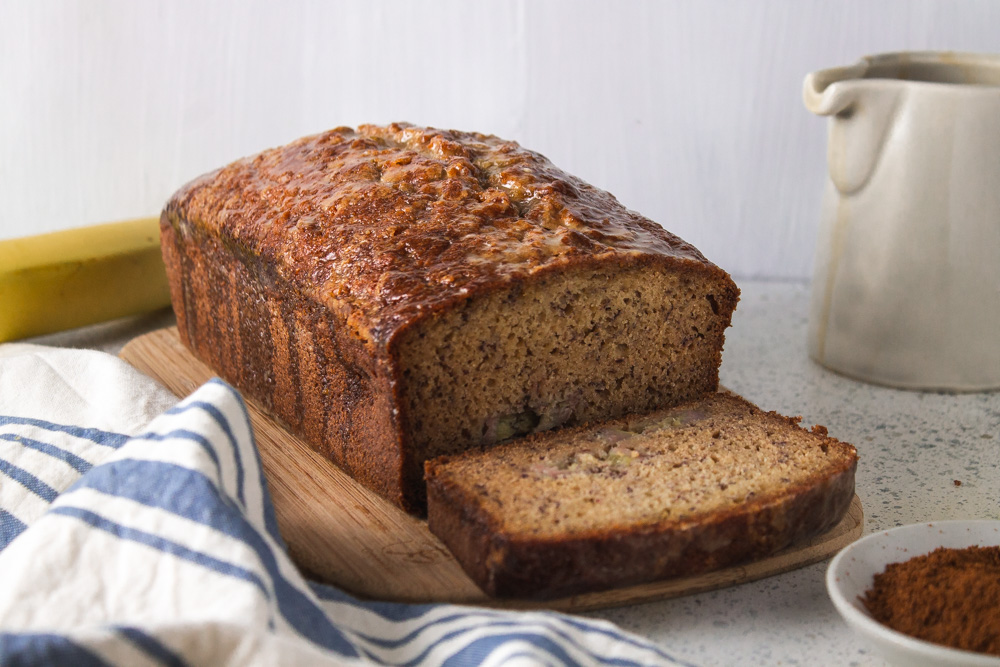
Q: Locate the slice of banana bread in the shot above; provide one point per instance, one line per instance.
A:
(676, 492)
(396, 293)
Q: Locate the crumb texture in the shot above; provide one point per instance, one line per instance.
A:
(568, 349)
(714, 480)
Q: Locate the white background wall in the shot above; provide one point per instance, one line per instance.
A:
(690, 112)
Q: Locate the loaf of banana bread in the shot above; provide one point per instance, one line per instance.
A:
(675, 492)
(398, 293)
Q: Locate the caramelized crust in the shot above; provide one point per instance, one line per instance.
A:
(356, 284)
(386, 225)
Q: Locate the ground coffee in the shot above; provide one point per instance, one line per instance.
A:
(949, 596)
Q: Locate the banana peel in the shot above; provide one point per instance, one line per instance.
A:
(67, 279)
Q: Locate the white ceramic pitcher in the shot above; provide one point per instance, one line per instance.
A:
(906, 289)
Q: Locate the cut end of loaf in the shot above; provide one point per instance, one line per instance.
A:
(565, 349)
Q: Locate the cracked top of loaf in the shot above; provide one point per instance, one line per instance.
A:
(388, 224)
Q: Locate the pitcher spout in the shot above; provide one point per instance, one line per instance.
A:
(861, 106)
(833, 91)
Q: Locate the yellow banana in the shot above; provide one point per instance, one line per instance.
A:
(67, 279)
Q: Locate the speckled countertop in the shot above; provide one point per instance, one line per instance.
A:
(913, 448)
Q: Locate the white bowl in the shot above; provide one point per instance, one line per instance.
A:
(852, 573)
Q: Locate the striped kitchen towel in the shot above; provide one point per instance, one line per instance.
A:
(132, 540)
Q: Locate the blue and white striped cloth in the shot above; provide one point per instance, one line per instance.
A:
(132, 540)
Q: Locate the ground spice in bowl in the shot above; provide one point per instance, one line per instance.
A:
(949, 597)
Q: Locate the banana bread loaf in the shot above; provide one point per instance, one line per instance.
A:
(397, 293)
(675, 492)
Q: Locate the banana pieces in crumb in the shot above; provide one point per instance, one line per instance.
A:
(67, 279)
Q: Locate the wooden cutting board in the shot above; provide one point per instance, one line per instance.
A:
(339, 532)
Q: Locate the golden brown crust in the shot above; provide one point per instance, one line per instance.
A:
(510, 563)
(386, 225)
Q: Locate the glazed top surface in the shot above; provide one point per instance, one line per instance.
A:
(386, 224)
